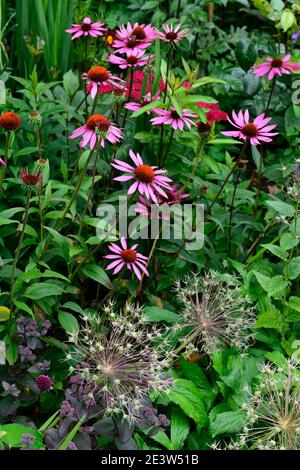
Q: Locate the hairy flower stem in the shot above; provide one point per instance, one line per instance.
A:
(92, 187)
(40, 185)
(76, 165)
(6, 154)
(271, 93)
(228, 176)
(129, 96)
(162, 129)
(139, 289)
(168, 148)
(59, 224)
(85, 70)
(17, 252)
(231, 212)
(197, 162)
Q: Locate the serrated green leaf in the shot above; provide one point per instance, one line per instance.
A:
(282, 207)
(270, 319)
(277, 251)
(227, 423)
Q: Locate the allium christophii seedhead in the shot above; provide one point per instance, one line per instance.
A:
(273, 412)
(215, 313)
(121, 360)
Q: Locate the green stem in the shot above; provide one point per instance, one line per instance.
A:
(17, 252)
(231, 212)
(85, 70)
(271, 93)
(198, 160)
(40, 185)
(228, 176)
(6, 154)
(168, 148)
(92, 188)
(139, 289)
(76, 191)
(129, 96)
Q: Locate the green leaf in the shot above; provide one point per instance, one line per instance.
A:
(294, 303)
(251, 84)
(156, 314)
(11, 349)
(224, 142)
(163, 439)
(40, 290)
(186, 395)
(71, 83)
(287, 20)
(23, 306)
(194, 373)
(276, 286)
(176, 105)
(287, 242)
(11, 435)
(227, 422)
(66, 441)
(282, 207)
(277, 251)
(68, 322)
(74, 307)
(62, 242)
(8, 213)
(148, 107)
(98, 274)
(262, 279)
(270, 319)
(4, 313)
(150, 5)
(294, 268)
(26, 151)
(179, 429)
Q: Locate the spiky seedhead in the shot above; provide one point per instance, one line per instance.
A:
(215, 313)
(121, 360)
(273, 412)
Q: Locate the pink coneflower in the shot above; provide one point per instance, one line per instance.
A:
(2, 162)
(171, 34)
(99, 76)
(257, 131)
(174, 196)
(133, 37)
(135, 59)
(276, 66)
(148, 179)
(128, 257)
(87, 28)
(172, 117)
(134, 106)
(97, 124)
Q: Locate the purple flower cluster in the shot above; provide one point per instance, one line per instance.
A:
(30, 330)
(153, 419)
